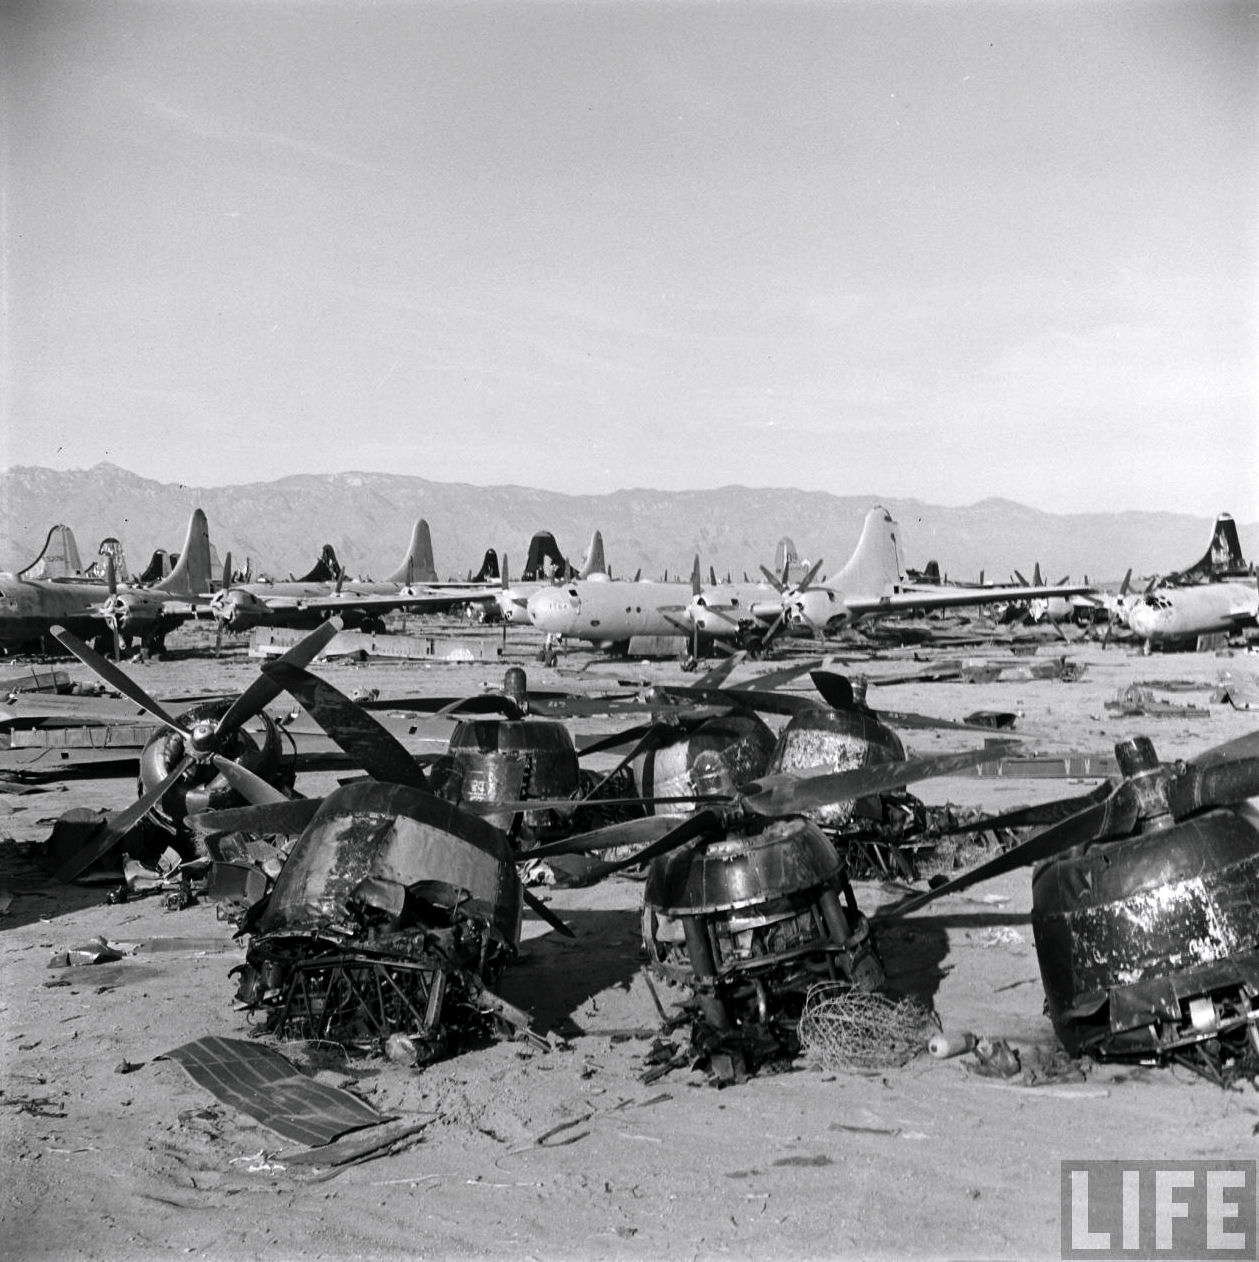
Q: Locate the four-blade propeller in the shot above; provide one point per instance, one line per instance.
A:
(1150, 793)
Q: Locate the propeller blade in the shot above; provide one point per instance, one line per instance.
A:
(834, 689)
(628, 832)
(789, 795)
(481, 703)
(372, 746)
(693, 826)
(1032, 816)
(721, 672)
(1114, 816)
(117, 826)
(116, 678)
(773, 580)
(1220, 783)
(517, 805)
(771, 679)
(1239, 747)
(539, 908)
(253, 788)
(655, 735)
(810, 576)
(617, 739)
(773, 627)
(289, 816)
(265, 689)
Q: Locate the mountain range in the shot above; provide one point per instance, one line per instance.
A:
(367, 517)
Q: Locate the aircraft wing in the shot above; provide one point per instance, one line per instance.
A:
(419, 601)
(946, 598)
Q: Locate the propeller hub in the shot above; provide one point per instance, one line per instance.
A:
(201, 739)
(1148, 780)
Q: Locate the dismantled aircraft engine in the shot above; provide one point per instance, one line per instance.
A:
(713, 757)
(203, 786)
(205, 759)
(1145, 909)
(510, 760)
(838, 740)
(1150, 944)
(752, 919)
(392, 914)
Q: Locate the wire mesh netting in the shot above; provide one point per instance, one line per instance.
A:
(842, 1028)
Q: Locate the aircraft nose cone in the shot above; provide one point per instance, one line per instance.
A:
(553, 610)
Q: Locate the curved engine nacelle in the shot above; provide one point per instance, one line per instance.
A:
(1151, 944)
(835, 740)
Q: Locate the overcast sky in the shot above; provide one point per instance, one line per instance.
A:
(942, 250)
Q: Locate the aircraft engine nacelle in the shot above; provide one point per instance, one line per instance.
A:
(514, 607)
(751, 920)
(1147, 945)
(509, 760)
(715, 757)
(836, 740)
(817, 610)
(238, 610)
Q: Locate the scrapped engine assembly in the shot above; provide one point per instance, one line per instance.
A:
(749, 921)
(1145, 910)
(1149, 945)
(393, 915)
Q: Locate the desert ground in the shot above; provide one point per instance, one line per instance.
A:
(568, 1153)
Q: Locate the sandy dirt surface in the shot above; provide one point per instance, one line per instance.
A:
(568, 1153)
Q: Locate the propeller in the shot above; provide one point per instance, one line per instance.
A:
(772, 796)
(371, 745)
(118, 826)
(203, 742)
(1149, 793)
(115, 609)
(225, 585)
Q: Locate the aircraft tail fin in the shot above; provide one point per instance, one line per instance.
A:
(192, 573)
(697, 584)
(543, 548)
(157, 569)
(594, 562)
(111, 550)
(325, 570)
(1222, 557)
(489, 568)
(58, 558)
(875, 567)
(417, 566)
(786, 558)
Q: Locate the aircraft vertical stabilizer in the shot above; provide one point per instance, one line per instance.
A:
(786, 558)
(543, 548)
(58, 558)
(417, 566)
(489, 568)
(876, 567)
(594, 562)
(1222, 558)
(191, 576)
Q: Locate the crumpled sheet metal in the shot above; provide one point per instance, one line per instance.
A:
(263, 1084)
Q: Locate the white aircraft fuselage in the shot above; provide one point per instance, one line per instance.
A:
(1170, 614)
(608, 612)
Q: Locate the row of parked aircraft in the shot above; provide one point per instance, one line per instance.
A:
(1218, 593)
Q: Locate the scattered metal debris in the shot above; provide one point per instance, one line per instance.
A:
(265, 1085)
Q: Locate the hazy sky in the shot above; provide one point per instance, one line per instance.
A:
(943, 250)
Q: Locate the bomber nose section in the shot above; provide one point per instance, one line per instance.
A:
(554, 610)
